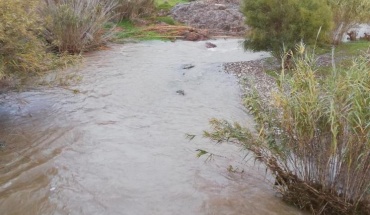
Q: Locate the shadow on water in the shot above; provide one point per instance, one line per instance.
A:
(118, 146)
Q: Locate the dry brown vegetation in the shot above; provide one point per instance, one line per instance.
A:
(127, 9)
(77, 25)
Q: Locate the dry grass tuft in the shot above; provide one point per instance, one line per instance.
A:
(78, 25)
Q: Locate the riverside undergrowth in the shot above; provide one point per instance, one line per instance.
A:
(314, 137)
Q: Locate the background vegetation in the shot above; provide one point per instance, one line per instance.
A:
(278, 25)
(346, 14)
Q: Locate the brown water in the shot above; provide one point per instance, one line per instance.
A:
(118, 146)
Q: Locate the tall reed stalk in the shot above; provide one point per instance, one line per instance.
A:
(315, 138)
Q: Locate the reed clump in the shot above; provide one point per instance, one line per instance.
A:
(315, 136)
(77, 25)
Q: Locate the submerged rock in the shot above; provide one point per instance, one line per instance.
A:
(181, 92)
(210, 45)
(2, 144)
(188, 66)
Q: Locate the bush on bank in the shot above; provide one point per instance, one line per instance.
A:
(21, 49)
(277, 25)
(314, 138)
(280, 24)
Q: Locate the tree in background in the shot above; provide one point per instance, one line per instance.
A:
(347, 14)
(283, 23)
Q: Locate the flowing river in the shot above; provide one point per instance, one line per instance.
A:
(116, 143)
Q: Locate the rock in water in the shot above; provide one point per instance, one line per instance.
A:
(181, 92)
(188, 66)
(210, 45)
(2, 144)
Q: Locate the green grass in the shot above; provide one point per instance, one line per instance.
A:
(353, 48)
(345, 53)
(168, 4)
(166, 19)
(130, 31)
(346, 49)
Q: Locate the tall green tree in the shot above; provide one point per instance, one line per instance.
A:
(283, 23)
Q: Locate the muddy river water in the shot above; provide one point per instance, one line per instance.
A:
(117, 144)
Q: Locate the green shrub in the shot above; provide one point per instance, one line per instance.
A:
(20, 48)
(283, 23)
(78, 25)
(315, 138)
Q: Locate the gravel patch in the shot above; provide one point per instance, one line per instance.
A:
(252, 75)
(219, 17)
